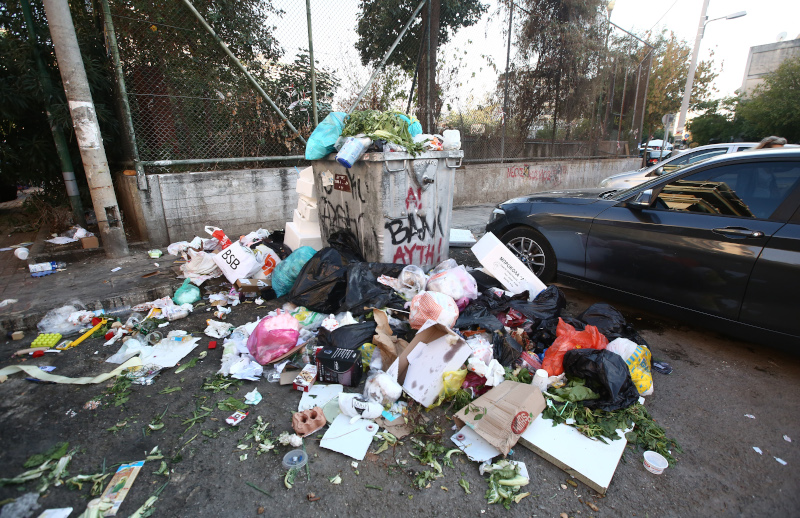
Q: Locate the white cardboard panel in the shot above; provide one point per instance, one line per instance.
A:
(505, 267)
(590, 461)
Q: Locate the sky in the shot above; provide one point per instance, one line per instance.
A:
(333, 25)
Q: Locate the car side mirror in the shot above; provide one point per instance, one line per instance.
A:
(643, 200)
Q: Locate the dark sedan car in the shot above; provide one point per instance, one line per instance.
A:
(719, 241)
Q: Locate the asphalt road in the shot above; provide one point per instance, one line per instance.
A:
(702, 404)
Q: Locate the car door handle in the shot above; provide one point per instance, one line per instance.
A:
(738, 232)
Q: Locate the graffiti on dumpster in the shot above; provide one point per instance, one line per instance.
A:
(414, 237)
(549, 174)
(348, 183)
(339, 217)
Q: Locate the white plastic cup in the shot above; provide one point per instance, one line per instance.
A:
(540, 379)
(655, 462)
(21, 253)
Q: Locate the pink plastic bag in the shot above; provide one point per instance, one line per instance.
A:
(273, 337)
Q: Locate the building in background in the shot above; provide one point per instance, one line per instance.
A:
(764, 59)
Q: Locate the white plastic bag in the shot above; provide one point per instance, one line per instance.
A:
(432, 305)
(200, 268)
(382, 388)
(57, 320)
(456, 283)
(409, 283)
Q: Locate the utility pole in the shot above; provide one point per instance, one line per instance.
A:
(687, 90)
(87, 130)
(67, 170)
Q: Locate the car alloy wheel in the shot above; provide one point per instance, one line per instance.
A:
(530, 253)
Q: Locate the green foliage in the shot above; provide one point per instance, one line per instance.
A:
(381, 21)
(56, 452)
(381, 125)
(721, 122)
(775, 105)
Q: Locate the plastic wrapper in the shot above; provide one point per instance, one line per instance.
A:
(308, 319)
(506, 350)
(451, 383)
(187, 293)
(432, 305)
(637, 358)
(610, 322)
(367, 350)
(200, 268)
(382, 388)
(493, 372)
(409, 283)
(445, 265)
(286, 272)
(481, 348)
(568, 338)
(475, 384)
(322, 141)
(456, 283)
(356, 407)
(604, 372)
(57, 320)
(217, 329)
(273, 337)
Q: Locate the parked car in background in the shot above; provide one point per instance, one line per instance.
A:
(693, 156)
(717, 242)
(654, 150)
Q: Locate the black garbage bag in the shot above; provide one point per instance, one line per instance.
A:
(505, 349)
(364, 290)
(611, 323)
(547, 304)
(322, 283)
(347, 243)
(477, 316)
(604, 372)
(485, 281)
(544, 334)
(347, 337)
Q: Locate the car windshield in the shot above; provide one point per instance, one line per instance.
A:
(620, 195)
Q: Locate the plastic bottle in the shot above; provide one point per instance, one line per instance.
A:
(353, 149)
(21, 253)
(451, 140)
(47, 267)
(116, 312)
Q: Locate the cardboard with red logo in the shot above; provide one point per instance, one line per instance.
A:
(503, 414)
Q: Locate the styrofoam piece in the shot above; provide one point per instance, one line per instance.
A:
(590, 461)
(304, 223)
(295, 238)
(475, 447)
(306, 188)
(461, 237)
(308, 211)
(307, 174)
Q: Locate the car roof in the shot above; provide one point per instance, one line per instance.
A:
(755, 154)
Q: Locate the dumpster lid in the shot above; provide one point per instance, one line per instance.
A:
(385, 157)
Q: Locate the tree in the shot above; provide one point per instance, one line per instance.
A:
(381, 21)
(668, 79)
(721, 121)
(560, 51)
(774, 108)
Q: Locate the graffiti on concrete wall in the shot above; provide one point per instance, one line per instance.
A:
(551, 174)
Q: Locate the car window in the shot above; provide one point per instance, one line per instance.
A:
(744, 148)
(692, 158)
(752, 190)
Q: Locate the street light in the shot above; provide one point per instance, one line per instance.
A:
(687, 91)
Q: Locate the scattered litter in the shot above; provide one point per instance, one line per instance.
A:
(34, 371)
(217, 329)
(118, 268)
(120, 484)
(236, 418)
(319, 395)
(787, 438)
(92, 405)
(750, 416)
(757, 450)
(252, 398)
(781, 461)
(348, 438)
(8, 302)
(662, 367)
(62, 512)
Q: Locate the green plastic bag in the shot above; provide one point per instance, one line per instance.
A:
(188, 293)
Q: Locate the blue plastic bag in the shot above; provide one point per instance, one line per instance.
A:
(284, 275)
(321, 141)
(414, 128)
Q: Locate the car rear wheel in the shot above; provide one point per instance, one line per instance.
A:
(533, 250)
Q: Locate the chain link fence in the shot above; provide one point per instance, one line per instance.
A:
(191, 108)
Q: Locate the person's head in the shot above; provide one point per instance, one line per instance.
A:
(771, 142)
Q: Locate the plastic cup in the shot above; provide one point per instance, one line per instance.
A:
(655, 462)
(295, 459)
(21, 253)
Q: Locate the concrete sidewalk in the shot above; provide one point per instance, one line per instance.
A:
(89, 280)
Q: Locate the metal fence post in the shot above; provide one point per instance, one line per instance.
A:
(122, 98)
(311, 58)
(505, 83)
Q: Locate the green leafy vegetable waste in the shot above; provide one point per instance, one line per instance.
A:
(382, 125)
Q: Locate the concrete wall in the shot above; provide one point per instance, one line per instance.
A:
(764, 59)
(490, 183)
(178, 206)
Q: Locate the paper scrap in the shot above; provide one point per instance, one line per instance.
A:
(783, 462)
(475, 447)
(118, 268)
(62, 512)
(787, 438)
(757, 450)
(33, 370)
(319, 395)
(252, 398)
(120, 484)
(751, 416)
(351, 439)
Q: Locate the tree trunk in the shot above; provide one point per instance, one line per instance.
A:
(427, 91)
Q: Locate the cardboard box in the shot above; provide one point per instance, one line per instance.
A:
(90, 242)
(501, 262)
(503, 414)
(434, 350)
(248, 286)
(236, 262)
(340, 365)
(306, 378)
